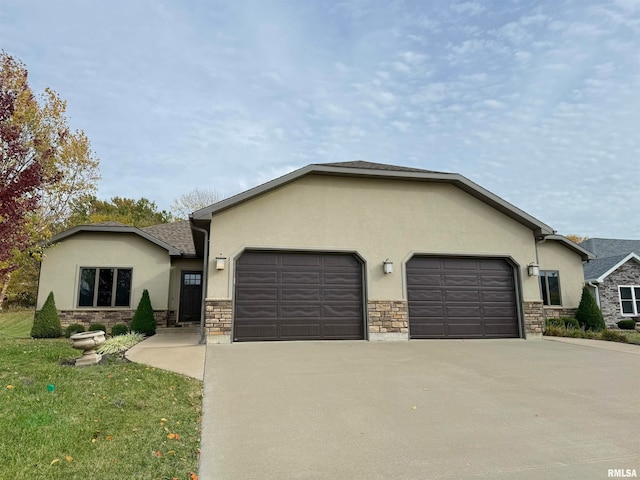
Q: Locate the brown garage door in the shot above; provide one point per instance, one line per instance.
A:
(461, 298)
(298, 296)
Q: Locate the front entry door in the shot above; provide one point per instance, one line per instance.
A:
(190, 296)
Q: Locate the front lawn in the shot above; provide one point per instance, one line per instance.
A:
(16, 323)
(114, 420)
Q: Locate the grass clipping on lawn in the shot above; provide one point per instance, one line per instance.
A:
(113, 420)
(120, 343)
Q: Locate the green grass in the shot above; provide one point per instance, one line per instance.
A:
(16, 323)
(632, 337)
(100, 422)
(623, 336)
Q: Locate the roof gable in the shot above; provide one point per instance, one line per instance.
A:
(115, 227)
(379, 171)
(599, 269)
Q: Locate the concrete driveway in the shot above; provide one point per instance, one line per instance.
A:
(487, 409)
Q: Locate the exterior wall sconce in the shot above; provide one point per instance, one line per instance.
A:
(387, 266)
(533, 269)
(220, 261)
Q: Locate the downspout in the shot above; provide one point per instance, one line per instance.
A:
(205, 281)
(593, 284)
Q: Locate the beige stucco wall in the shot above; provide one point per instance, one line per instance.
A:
(61, 267)
(177, 267)
(552, 255)
(376, 218)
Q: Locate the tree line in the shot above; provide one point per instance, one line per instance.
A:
(48, 182)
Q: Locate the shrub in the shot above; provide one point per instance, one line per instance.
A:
(94, 327)
(589, 315)
(555, 331)
(143, 320)
(613, 336)
(120, 343)
(627, 324)
(119, 329)
(570, 322)
(46, 323)
(72, 329)
(554, 322)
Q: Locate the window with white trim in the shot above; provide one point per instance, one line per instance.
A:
(629, 300)
(550, 286)
(105, 287)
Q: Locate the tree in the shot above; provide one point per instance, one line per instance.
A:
(576, 238)
(194, 200)
(138, 213)
(143, 320)
(46, 323)
(43, 166)
(588, 313)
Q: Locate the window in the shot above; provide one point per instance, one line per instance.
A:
(550, 286)
(629, 299)
(105, 287)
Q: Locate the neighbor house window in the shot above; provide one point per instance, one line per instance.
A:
(105, 287)
(630, 299)
(550, 286)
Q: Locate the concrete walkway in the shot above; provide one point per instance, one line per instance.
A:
(175, 349)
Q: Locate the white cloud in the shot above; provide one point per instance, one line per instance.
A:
(469, 8)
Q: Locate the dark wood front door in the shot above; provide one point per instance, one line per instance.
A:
(458, 297)
(298, 296)
(190, 296)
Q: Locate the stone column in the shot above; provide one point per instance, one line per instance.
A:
(218, 314)
(388, 320)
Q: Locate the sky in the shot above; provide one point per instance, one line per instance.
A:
(538, 102)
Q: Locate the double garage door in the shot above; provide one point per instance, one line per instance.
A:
(309, 296)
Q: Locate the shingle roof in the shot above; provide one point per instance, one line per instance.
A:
(376, 166)
(609, 253)
(609, 247)
(177, 234)
(109, 224)
(598, 267)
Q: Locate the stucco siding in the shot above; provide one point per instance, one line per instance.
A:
(61, 267)
(377, 219)
(553, 255)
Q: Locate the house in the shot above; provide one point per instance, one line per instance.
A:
(352, 250)
(614, 277)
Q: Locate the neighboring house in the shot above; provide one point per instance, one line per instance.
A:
(352, 250)
(614, 277)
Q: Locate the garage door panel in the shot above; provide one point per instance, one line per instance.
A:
(318, 296)
(258, 331)
(259, 294)
(461, 297)
(434, 294)
(342, 294)
(423, 279)
(296, 278)
(299, 294)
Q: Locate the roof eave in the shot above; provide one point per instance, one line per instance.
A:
(173, 252)
(541, 229)
(631, 256)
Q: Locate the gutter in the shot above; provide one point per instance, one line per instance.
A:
(594, 284)
(205, 280)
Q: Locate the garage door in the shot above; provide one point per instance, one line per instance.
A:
(461, 298)
(298, 296)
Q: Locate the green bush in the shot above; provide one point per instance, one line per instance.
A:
(143, 320)
(46, 323)
(613, 336)
(94, 327)
(554, 322)
(627, 324)
(589, 315)
(73, 328)
(570, 322)
(119, 329)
